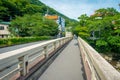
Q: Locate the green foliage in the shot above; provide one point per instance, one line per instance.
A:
(21, 40)
(103, 28)
(27, 18)
(114, 40)
(114, 44)
(9, 9)
(81, 29)
(102, 45)
(83, 20)
(33, 25)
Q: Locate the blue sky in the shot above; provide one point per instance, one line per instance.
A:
(74, 8)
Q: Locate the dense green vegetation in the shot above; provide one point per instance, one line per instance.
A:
(101, 30)
(27, 18)
(20, 40)
(10, 8)
(33, 25)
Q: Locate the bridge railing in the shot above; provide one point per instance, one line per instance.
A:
(16, 63)
(96, 67)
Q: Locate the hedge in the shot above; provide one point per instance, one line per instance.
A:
(20, 40)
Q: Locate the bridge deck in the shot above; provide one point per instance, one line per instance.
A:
(67, 66)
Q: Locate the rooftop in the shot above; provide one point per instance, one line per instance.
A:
(6, 23)
(53, 17)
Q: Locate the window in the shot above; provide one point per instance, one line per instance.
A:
(1, 27)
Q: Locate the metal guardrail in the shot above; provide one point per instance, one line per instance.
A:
(96, 67)
(16, 63)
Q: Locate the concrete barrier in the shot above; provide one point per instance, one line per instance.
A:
(16, 63)
(96, 67)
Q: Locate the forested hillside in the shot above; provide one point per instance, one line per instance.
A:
(27, 18)
(11, 8)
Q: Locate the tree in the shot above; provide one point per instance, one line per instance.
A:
(103, 28)
(33, 25)
(109, 30)
(81, 29)
(83, 19)
(105, 12)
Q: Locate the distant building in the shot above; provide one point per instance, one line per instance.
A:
(68, 34)
(60, 21)
(52, 17)
(4, 32)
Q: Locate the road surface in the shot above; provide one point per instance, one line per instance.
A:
(10, 48)
(67, 66)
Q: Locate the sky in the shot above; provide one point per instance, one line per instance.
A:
(74, 8)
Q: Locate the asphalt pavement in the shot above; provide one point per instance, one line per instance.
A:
(10, 48)
(67, 66)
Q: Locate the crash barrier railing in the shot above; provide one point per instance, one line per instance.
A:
(96, 67)
(16, 63)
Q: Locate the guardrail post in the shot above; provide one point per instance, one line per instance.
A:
(64, 41)
(54, 45)
(45, 50)
(59, 43)
(23, 65)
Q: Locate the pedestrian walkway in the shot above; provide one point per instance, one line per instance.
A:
(67, 66)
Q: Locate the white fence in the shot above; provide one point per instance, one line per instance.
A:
(96, 67)
(16, 63)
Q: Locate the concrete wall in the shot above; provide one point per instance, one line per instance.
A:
(21, 62)
(96, 67)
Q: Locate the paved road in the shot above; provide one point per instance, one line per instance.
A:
(67, 66)
(6, 49)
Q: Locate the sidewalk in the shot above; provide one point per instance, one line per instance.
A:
(67, 66)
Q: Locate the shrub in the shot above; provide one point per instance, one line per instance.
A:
(21, 40)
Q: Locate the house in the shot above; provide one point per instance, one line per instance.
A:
(4, 32)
